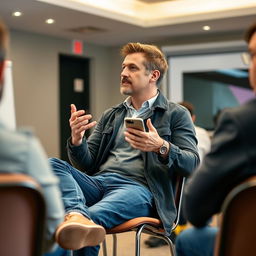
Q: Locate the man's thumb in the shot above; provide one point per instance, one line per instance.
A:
(73, 108)
(150, 125)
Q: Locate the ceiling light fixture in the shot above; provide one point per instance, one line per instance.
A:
(50, 21)
(206, 28)
(16, 14)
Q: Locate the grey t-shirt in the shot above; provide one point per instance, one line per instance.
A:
(124, 159)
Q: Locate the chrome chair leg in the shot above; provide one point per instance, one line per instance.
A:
(104, 248)
(171, 245)
(137, 243)
(114, 244)
(137, 240)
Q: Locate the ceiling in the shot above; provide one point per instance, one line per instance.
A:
(115, 22)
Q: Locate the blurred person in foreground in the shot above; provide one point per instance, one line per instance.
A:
(204, 145)
(21, 152)
(122, 173)
(232, 159)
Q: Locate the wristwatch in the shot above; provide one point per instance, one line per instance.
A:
(164, 148)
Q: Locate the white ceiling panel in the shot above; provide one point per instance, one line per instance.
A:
(115, 22)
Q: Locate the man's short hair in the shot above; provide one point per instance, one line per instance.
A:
(188, 106)
(249, 33)
(155, 59)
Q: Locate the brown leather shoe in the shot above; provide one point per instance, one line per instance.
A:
(77, 232)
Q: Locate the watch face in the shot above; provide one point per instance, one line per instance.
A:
(163, 150)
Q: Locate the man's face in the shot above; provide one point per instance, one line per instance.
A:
(252, 69)
(135, 78)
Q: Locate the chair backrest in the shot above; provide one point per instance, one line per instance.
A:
(22, 216)
(237, 235)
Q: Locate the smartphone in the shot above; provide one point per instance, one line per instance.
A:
(135, 123)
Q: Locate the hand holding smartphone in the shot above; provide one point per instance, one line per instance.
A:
(135, 123)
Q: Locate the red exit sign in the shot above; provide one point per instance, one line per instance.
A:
(77, 47)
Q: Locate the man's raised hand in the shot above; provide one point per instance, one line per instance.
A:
(79, 123)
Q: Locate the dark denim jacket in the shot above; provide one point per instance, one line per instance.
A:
(174, 124)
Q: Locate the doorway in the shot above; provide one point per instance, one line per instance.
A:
(74, 88)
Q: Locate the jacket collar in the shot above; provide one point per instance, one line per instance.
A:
(160, 102)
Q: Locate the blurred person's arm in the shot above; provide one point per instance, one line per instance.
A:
(39, 168)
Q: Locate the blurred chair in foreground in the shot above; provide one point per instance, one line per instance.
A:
(22, 216)
(238, 225)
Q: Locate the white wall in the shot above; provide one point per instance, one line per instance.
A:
(198, 63)
(7, 109)
(36, 82)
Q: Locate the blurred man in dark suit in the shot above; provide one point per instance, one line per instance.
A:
(231, 160)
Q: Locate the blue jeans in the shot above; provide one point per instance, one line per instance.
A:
(109, 199)
(58, 252)
(196, 241)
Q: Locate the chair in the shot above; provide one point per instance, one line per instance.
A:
(237, 235)
(22, 216)
(152, 226)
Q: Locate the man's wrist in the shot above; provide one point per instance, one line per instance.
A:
(164, 149)
(75, 143)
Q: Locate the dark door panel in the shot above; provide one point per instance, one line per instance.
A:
(74, 88)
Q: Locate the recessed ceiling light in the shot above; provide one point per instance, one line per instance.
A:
(17, 14)
(206, 28)
(50, 21)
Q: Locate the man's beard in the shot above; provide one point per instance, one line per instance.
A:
(126, 91)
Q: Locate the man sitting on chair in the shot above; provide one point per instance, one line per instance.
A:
(117, 173)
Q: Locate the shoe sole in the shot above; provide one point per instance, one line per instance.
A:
(74, 236)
